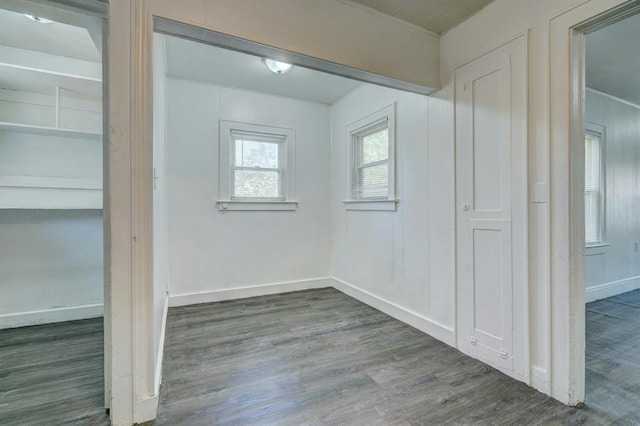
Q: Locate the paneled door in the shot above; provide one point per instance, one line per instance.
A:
(491, 202)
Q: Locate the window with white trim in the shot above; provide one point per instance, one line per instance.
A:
(372, 160)
(256, 167)
(593, 184)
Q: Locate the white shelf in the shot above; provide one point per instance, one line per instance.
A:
(26, 79)
(49, 131)
(32, 192)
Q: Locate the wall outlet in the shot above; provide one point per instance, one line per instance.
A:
(636, 245)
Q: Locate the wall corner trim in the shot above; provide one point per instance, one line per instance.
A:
(430, 327)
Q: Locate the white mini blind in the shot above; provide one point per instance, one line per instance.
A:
(256, 165)
(370, 166)
(593, 188)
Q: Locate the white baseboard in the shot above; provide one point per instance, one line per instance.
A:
(160, 348)
(47, 316)
(540, 380)
(602, 291)
(249, 291)
(146, 409)
(415, 320)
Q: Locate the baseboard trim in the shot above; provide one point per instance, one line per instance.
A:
(160, 349)
(613, 288)
(146, 409)
(48, 316)
(415, 320)
(540, 380)
(249, 291)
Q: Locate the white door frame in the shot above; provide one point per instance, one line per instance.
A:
(131, 25)
(86, 13)
(566, 118)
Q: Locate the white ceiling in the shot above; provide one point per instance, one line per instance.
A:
(210, 64)
(437, 16)
(56, 38)
(613, 59)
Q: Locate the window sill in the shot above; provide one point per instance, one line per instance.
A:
(375, 205)
(600, 248)
(250, 206)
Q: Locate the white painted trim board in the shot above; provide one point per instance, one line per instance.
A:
(430, 327)
(247, 291)
(48, 316)
(160, 349)
(602, 291)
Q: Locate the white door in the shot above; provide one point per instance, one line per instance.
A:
(491, 198)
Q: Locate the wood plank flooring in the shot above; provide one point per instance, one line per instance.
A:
(312, 357)
(53, 374)
(613, 355)
(321, 357)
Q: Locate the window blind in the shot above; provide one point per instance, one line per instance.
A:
(370, 168)
(256, 165)
(593, 188)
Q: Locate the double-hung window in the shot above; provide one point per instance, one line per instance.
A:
(256, 167)
(593, 184)
(371, 144)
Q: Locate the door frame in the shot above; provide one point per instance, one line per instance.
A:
(131, 178)
(566, 120)
(86, 11)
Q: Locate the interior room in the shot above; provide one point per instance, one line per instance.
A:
(318, 212)
(318, 229)
(51, 220)
(612, 267)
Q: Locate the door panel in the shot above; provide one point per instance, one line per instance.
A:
(492, 202)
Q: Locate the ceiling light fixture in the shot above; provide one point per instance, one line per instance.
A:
(276, 66)
(38, 19)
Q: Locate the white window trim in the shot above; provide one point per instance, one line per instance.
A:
(599, 130)
(382, 204)
(287, 179)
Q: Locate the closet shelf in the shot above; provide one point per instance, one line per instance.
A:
(34, 192)
(49, 131)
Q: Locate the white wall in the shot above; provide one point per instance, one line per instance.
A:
(50, 266)
(410, 52)
(214, 253)
(615, 268)
(399, 259)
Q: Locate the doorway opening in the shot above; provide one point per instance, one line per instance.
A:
(611, 132)
(251, 168)
(52, 282)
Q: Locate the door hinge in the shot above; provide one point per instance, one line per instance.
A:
(504, 354)
(473, 340)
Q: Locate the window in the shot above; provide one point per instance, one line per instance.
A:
(256, 167)
(593, 184)
(372, 153)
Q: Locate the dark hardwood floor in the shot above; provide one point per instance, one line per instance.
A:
(321, 357)
(312, 357)
(53, 374)
(613, 355)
